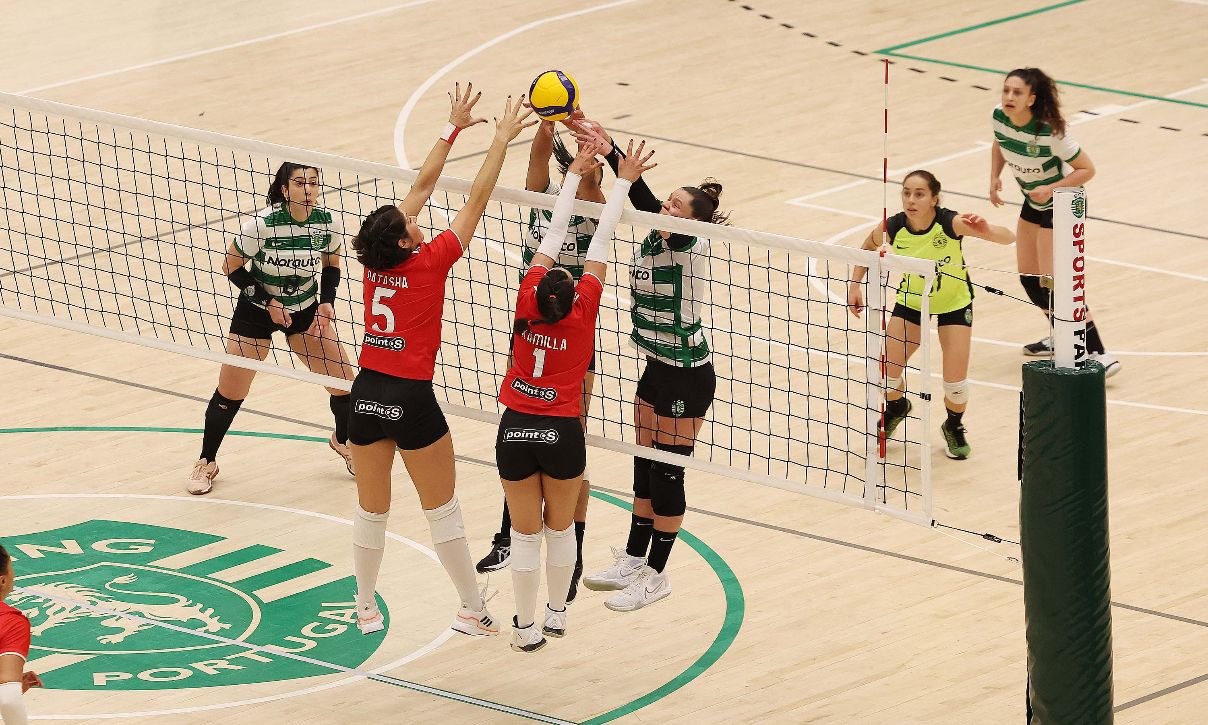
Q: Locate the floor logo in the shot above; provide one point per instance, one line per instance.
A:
(99, 591)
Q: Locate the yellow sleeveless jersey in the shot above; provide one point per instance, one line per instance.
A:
(940, 243)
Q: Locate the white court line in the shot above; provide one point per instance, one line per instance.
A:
(400, 125)
(1158, 270)
(1193, 2)
(833, 210)
(228, 46)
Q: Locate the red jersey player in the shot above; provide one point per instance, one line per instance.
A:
(540, 448)
(14, 651)
(393, 404)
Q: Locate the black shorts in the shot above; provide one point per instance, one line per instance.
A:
(963, 316)
(677, 392)
(591, 366)
(551, 444)
(401, 409)
(1042, 219)
(255, 322)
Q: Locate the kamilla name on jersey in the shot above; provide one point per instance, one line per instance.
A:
(525, 388)
(390, 280)
(386, 343)
(530, 435)
(545, 341)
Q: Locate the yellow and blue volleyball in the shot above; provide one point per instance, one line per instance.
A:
(554, 95)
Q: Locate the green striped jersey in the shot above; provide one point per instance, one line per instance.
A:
(574, 247)
(1034, 153)
(287, 255)
(668, 289)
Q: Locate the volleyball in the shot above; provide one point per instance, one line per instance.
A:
(554, 95)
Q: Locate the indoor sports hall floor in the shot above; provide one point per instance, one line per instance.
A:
(786, 609)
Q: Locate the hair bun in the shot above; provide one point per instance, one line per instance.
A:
(712, 187)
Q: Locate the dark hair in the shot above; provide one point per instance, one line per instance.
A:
(563, 157)
(376, 244)
(1047, 106)
(705, 200)
(275, 195)
(555, 296)
(4, 559)
(932, 183)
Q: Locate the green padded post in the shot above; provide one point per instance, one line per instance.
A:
(1064, 542)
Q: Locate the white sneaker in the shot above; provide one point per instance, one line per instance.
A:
(370, 619)
(649, 587)
(1111, 365)
(201, 480)
(475, 623)
(618, 576)
(555, 622)
(1041, 348)
(528, 639)
(342, 451)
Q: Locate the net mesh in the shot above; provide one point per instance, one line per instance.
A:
(121, 225)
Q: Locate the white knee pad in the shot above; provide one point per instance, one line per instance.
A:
(369, 529)
(898, 383)
(445, 522)
(526, 551)
(957, 392)
(561, 549)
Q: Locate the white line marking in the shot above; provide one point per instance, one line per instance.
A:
(1118, 353)
(833, 210)
(228, 46)
(1193, 2)
(400, 125)
(1156, 270)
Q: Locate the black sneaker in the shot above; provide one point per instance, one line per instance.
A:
(893, 421)
(574, 582)
(500, 556)
(957, 445)
(1040, 348)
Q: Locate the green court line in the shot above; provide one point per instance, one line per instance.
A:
(735, 600)
(988, 23)
(893, 52)
(228, 560)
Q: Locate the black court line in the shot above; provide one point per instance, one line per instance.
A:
(705, 512)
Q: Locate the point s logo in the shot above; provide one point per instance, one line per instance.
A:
(1078, 288)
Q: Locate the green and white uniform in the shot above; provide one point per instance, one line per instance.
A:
(668, 288)
(1035, 155)
(574, 247)
(287, 255)
(941, 244)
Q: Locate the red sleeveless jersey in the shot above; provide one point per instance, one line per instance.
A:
(403, 308)
(14, 632)
(549, 361)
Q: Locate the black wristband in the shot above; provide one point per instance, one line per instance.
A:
(248, 286)
(329, 282)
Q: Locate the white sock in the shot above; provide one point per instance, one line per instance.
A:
(526, 575)
(560, 556)
(368, 546)
(449, 540)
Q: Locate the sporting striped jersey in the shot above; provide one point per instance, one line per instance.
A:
(549, 362)
(574, 247)
(404, 306)
(668, 288)
(287, 255)
(1035, 155)
(941, 244)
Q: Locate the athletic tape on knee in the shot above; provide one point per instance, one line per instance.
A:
(560, 546)
(957, 392)
(369, 529)
(898, 383)
(667, 496)
(445, 522)
(526, 551)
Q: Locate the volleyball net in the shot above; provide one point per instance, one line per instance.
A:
(117, 226)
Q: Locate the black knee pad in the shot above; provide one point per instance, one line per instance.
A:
(1040, 295)
(641, 477)
(667, 496)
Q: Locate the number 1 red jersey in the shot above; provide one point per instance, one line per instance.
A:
(550, 361)
(403, 309)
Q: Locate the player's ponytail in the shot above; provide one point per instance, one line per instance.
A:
(706, 198)
(376, 244)
(1047, 106)
(555, 297)
(276, 192)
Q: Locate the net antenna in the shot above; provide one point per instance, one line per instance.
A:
(117, 227)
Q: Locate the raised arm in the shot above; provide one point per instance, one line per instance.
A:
(507, 128)
(461, 115)
(539, 155)
(973, 225)
(551, 244)
(630, 170)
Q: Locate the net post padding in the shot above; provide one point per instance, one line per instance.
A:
(1069, 277)
(1063, 519)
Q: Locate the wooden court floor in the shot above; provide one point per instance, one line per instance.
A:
(786, 609)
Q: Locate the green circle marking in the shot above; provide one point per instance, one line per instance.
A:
(735, 601)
